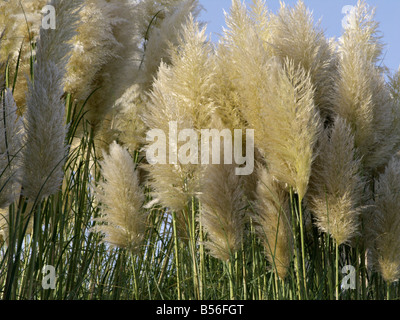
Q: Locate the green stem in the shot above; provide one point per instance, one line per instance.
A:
(135, 282)
(178, 280)
(36, 230)
(196, 280)
(244, 274)
(201, 253)
(296, 256)
(277, 294)
(337, 270)
(230, 275)
(303, 252)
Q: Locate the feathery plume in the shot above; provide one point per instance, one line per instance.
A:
(173, 184)
(20, 20)
(94, 45)
(294, 35)
(162, 37)
(105, 56)
(273, 222)
(294, 125)
(362, 33)
(336, 186)
(244, 37)
(394, 86)
(386, 222)
(361, 96)
(151, 13)
(276, 101)
(10, 146)
(226, 93)
(45, 151)
(261, 18)
(103, 64)
(285, 120)
(243, 25)
(181, 94)
(222, 204)
(127, 118)
(121, 201)
(105, 50)
(161, 33)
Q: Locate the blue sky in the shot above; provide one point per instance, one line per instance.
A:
(330, 11)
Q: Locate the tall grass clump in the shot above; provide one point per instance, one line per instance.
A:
(91, 194)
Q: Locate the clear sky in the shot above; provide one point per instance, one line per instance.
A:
(330, 11)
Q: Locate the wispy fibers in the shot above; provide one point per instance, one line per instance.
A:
(385, 222)
(336, 185)
(11, 130)
(45, 149)
(273, 222)
(122, 220)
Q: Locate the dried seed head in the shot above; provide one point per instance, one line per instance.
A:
(336, 186)
(123, 221)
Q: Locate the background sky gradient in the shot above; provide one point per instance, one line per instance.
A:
(330, 11)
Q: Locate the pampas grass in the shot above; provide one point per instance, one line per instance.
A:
(276, 101)
(295, 117)
(94, 45)
(386, 223)
(181, 93)
(394, 86)
(11, 130)
(116, 225)
(336, 191)
(161, 33)
(105, 51)
(21, 22)
(123, 221)
(361, 96)
(45, 147)
(296, 36)
(222, 210)
(273, 222)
